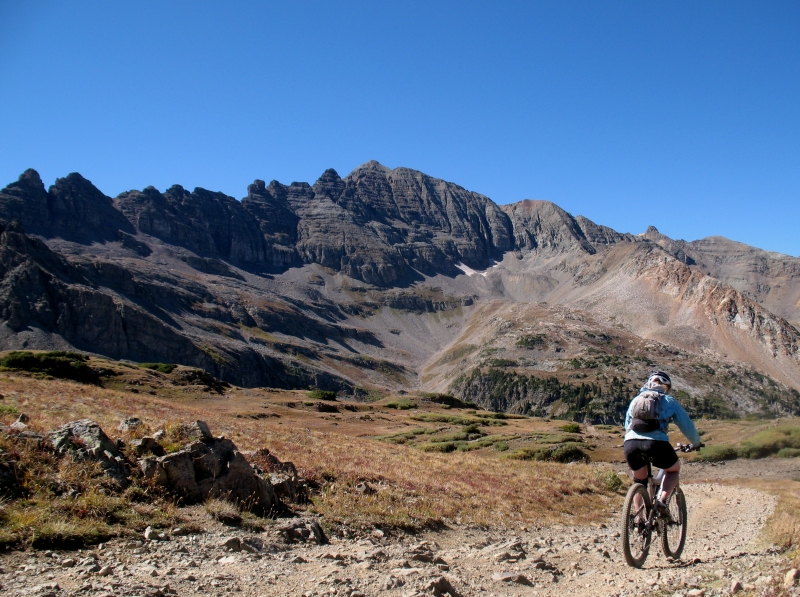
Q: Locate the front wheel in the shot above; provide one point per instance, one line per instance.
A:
(673, 536)
(635, 533)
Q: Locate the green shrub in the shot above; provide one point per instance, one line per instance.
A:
(439, 447)
(401, 404)
(8, 409)
(717, 453)
(610, 480)
(58, 363)
(453, 436)
(528, 454)
(321, 394)
(501, 446)
(569, 452)
(770, 441)
(788, 453)
(531, 342)
(456, 419)
(571, 428)
(502, 363)
(447, 401)
(160, 367)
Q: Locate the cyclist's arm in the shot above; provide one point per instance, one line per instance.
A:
(684, 423)
(628, 417)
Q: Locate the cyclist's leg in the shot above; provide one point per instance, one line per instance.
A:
(640, 476)
(670, 481)
(638, 465)
(664, 457)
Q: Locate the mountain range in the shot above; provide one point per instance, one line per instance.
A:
(392, 281)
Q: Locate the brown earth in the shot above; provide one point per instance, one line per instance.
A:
(724, 545)
(496, 531)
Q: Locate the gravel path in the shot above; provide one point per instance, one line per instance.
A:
(722, 547)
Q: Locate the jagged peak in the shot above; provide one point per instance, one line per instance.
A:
(31, 176)
(29, 179)
(330, 175)
(370, 166)
(530, 206)
(75, 181)
(259, 187)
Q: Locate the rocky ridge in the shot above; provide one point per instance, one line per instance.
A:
(358, 282)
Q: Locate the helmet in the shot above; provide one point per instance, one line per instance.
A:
(660, 378)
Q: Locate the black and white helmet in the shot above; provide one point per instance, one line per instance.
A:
(660, 378)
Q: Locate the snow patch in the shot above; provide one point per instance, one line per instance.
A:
(471, 272)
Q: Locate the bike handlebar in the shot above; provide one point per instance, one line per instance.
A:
(689, 447)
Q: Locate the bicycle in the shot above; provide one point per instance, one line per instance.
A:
(640, 519)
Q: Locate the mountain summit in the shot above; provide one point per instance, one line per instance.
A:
(388, 280)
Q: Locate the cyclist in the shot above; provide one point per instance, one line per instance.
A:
(646, 423)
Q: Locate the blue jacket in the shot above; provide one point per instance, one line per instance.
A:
(671, 412)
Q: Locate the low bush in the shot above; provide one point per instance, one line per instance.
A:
(610, 480)
(160, 367)
(571, 428)
(401, 404)
(717, 453)
(58, 363)
(788, 453)
(321, 395)
(8, 409)
(531, 341)
(447, 401)
(439, 447)
(770, 441)
(568, 452)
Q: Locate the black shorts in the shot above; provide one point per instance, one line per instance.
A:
(659, 452)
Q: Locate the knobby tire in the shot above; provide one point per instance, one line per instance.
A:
(635, 541)
(673, 533)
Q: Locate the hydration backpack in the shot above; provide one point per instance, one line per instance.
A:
(646, 410)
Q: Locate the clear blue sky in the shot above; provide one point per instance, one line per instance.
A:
(685, 115)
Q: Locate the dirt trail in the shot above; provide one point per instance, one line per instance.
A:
(723, 545)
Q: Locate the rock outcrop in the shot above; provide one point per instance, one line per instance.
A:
(85, 440)
(73, 209)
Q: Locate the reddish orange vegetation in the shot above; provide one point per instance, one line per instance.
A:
(414, 488)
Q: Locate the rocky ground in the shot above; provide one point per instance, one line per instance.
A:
(724, 552)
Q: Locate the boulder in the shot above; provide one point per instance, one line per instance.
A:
(129, 424)
(153, 471)
(147, 445)
(196, 430)
(303, 530)
(85, 440)
(283, 477)
(211, 467)
(180, 475)
(289, 488)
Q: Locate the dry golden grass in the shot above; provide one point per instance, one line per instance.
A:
(63, 503)
(414, 488)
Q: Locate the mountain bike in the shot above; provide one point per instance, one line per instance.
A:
(640, 520)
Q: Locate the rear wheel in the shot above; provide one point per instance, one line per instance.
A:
(673, 536)
(635, 535)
